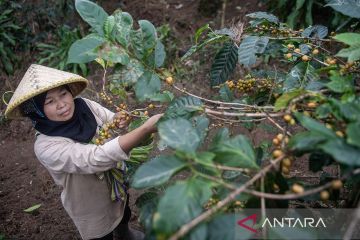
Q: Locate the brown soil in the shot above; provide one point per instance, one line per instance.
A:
(24, 182)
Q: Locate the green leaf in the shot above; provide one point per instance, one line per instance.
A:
(222, 135)
(84, 50)
(224, 64)
(147, 85)
(33, 208)
(236, 152)
(201, 126)
(128, 74)
(314, 126)
(299, 4)
(349, 8)
(123, 27)
(300, 76)
(348, 38)
(200, 31)
(156, 171)
(316, 31)
(340, 84)
(93, 14)
(179, 134)
(164, 97)
(205, 158)
(306, 141)
(353, 133)
(222, 227)
(197, 47)
(308, 16)
(109, 26)
(160, 54)
(249, 46)
(183, 107)
(114, 54)
(226, 94)
(291, 19)
(149, 34)
(143, 40)
(188, 197)
(264, 15)
(283, 100)
(352, 53)
(342, 152)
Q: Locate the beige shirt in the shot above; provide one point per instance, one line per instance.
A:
(73, 165)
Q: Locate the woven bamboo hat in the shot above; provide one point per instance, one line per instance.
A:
(39, 79)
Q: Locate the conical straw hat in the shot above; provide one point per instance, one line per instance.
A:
(39, 79)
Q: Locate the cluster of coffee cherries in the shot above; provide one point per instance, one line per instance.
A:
(293, 51)
(249, 84)
(104, 133)
(235, 206)
(275, 31)
(349, 67)
(277, 143)
(106, 98)
(336, 184)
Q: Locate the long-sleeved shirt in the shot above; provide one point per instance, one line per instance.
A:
(73, 165)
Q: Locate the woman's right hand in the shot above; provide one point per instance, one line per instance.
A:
(150, 124)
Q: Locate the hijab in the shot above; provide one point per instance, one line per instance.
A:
(81, 127)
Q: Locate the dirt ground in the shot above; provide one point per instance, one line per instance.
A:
(24, 182)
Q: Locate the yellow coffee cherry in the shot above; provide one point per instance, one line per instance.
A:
(288, 55)
(277, 153)
(286, 162)
(324, 195)
(332, 62)
(287, 118)
(151, 106)
(276, 141)
(315, 51)
(280, 136)
(169, 80)
(290, 46)
(285, 170)
(297, 50)
(297, 188)
(311, 105)
(336, 184)
(339, 133)
(292, 122)
(305, 58)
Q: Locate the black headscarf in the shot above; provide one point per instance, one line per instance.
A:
(81, 127)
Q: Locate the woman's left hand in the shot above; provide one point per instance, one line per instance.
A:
(123, 122)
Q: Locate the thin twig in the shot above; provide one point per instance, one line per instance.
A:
(219, 102)
(305, 38)
(207, 110)
(202, 217)
(236, 121)
(277, 125)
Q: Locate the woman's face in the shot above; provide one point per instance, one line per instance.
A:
(59, 104)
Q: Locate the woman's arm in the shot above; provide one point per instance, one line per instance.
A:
(132, 139)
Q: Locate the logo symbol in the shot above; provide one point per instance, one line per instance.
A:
(253, 218)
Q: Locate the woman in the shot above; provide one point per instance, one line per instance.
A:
(65, 128)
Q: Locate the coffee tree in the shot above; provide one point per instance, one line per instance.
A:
(311, 97)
